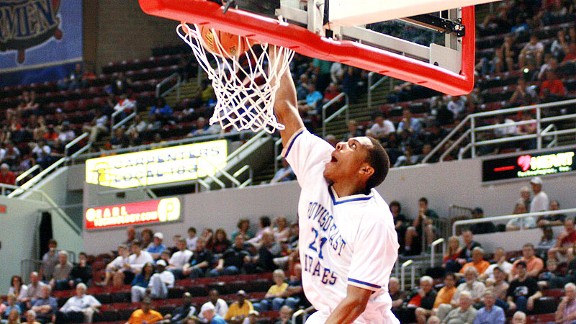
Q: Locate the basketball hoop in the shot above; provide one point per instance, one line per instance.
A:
(245, 79)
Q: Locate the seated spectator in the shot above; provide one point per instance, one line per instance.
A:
(552, 220)
(469, 245)
(179, 259)
(220, 306)
(34, 289)
(81, 272)
(499, 286)
(156, 247)
(409, 123)
(464, 313)
(552, 88)
(400, 222)
(120, 85)
(420, 300)
(141, 281)
(79, 308)
(523, 290)
(62, 271)
(221, 242)
(484, 227)
(566, 312)
(232, 260)
(182, 312)
(146, 238)
(285, 173)
(18, 288)
(532, 52)
(243, 228)
(524, 95)
(45, 307)
(477, 262)
(209, 314)
(534, 264)
(158, 284)
(519, 318)
(445, 294)
(450, 260)
(409, 158)
(65, 133)
(550, 64)
(238, 310)
(565, 242)
(269, 249)
(422, 229)
(498, 261)
(551, 273)
(7, 176)
(398, 296)
(200, 262)
(145, 314)
(457, 106)
(547, 241)
(42, 152)
(97, 126)
(275, 291)
(202, 128)
(285, 316)
(11, 304)
(313, 102)
(490, 313)
(136, 261)
(381, 127)
(519, 223)
(353, 130)
(124, 107)
(30, 316)
(162, 110)
(528, 128)
(13, 317)
(115, 267)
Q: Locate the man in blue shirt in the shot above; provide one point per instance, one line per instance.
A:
(209, 313)
(45, 306)
(156, 247)
(490, 313)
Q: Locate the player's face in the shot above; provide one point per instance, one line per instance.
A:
(347, 159)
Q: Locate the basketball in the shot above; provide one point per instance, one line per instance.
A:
(229, 44)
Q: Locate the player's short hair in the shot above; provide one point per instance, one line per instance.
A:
(380, 161)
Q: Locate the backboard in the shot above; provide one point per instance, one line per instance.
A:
(350, 32)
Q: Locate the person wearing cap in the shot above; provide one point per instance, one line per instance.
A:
(145, 314)
(156, 247)
(523, 291)
(157, 285)
(7, 176)
(209, 313)
(484, 227)
(182, 312)
(239, 310)
(540, 201)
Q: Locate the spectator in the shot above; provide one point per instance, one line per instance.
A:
(34, 289)
(353, 130)
(120, 85)
(421, 300)
(524, 94)
(124, 107)
(182, 312)
(7, 176)
(61, 275)
(534, 264)
(457, 105)
(540, 201)
(115, 267)
(141, 282)
(275, 291)
(156, 247)
(552, 220)
(97, 126)
(519, 223)
(550, 64)
(450, 260)
(532, 52)
(447, 292)
(566, 312)
(525, 197)
(11, 305)
(179, 259)
(519, 318)
(564, 243)
(313, 102)
(398, 296)
(285, 173)
(13, 316)
(30, 316)
(409, 123)
(79, 308)
(484, 227)
(162, 110)
(239, 309)
(209, 313)
(42, 152)
(145, 314)
(46, 306)
(49, 260)
(221, 242)
(158, 285)
(477, 262)
(18, 288)
(547, 241)
(381, 127)
(552, 88)
(500, 262)
(233, 260)
(220, 306)
(499, 286)
(490, 313)
(400, 222)
(469, 245)
(285, 315)
(465, 313)
(269, 249)
(421, 230)
(293, 296)
(200, 262)
(81, 272)
(523, 290)
(146, 238)
(243, 228)
(65, 133)
(136, 261)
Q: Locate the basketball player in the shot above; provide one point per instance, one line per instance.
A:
(348, 244)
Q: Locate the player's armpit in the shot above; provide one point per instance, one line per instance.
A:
(351, 306)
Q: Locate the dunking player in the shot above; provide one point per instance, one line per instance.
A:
(348, 244)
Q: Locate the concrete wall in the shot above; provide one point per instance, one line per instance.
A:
(457, 182)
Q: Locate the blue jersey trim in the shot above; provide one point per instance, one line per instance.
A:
(352, 199)
(292, 142)
(364, 283)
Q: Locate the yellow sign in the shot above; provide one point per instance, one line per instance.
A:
(165, 165)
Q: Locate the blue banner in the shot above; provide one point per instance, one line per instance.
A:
(39, 40)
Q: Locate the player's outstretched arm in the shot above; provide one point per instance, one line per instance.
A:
(351, 306)
(286, 108)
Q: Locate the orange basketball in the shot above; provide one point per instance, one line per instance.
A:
(230, 44)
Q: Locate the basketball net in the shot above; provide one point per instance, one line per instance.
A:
(245, 85)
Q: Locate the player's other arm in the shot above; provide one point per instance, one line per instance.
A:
(286, 108)
(351, 306)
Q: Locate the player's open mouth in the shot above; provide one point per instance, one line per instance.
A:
(334, 159)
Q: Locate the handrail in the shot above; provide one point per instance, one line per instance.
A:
(303, 312)
(26, 173)
(124, 121)
(118, 112)
(326, 120)
(74, 142)
(406, 264)
(546, 130)
(470, 120)
(372, 86)
(433, 251)
(166, 80)
(37, 178)
(510, 216)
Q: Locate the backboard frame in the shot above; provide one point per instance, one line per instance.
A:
(312, 43)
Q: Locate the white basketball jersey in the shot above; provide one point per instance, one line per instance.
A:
(343, 241)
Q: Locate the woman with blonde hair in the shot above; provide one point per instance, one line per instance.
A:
(450, 259)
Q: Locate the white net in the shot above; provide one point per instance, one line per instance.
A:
(245, 84)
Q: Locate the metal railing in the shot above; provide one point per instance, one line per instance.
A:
(124, 120)
(403, 267)
(344, 109)
(176, 85)
(471, 130)
(373, 85)
(433, 250)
